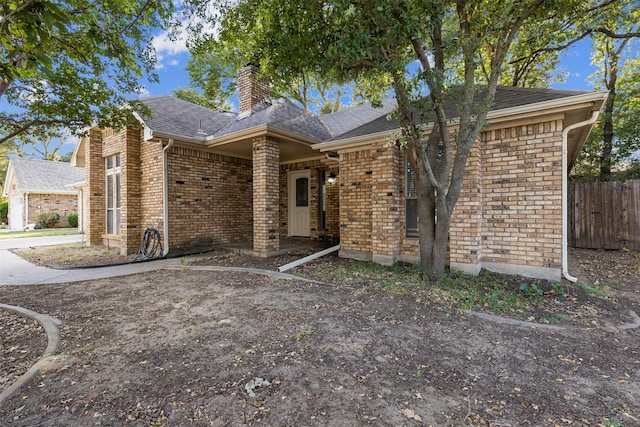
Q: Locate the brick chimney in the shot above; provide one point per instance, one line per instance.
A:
(252, 89)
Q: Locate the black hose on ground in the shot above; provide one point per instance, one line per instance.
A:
(150, 245)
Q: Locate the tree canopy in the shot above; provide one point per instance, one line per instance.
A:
(216, 59)
(617, 134)
(73, 62)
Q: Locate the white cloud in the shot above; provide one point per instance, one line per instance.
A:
(163, 44)
(167, 45)
(143, 92)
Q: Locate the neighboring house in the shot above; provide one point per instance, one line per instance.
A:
(206, 177)
(37, 186)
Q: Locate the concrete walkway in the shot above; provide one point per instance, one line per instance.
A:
(16, 271)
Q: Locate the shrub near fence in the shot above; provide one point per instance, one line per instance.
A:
(604, 215)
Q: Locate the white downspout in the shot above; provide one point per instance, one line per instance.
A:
(165, 197)
(565, 189)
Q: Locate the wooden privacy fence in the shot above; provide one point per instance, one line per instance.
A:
(604, 215)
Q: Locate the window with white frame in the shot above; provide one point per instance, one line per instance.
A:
(411, 201)
(113, 194)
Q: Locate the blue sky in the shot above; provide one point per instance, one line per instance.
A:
(173, 57)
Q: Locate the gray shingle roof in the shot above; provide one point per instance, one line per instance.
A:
(351, 118)
(283, 114)
(42, 176)
(180, 118)
(506, 97)
(174, 116)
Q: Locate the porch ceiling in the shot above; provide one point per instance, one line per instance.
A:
(290, 151)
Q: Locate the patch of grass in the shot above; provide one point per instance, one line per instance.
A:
(555, 318)
(72, 254)
(530, 290)
(302, 334)
(38, 233)
(486, 292)
(596, 290)
(611, 422)
(558, 289)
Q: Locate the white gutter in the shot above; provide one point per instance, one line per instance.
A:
(165, 197)
(565, 187)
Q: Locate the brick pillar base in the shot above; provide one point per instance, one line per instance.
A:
(266, 192)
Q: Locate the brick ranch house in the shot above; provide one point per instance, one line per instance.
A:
(37, 186)
(205, 178)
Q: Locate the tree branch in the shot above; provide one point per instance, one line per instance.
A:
(21, 127)
(554, 48)
(614, 35)
(138, 16)
(17, 10)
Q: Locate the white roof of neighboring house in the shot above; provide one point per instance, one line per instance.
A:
(41, 176)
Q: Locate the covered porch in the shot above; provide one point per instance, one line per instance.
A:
(295, 197)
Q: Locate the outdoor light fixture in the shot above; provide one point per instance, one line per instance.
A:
(331, 179)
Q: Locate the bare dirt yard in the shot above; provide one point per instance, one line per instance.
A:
(358, 345)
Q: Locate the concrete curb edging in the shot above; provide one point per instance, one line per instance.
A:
(631, 325)
(53, 341)
(514, 322)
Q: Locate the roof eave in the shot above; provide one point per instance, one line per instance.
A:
(167, 135)
(45, 191)
(590, 99)
(260, 130)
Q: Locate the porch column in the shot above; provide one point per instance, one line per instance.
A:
(266, 193)
(95, 194)
(386, 192)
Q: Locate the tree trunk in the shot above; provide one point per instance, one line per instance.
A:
(433, 232)
(4, 85)
(607, 135)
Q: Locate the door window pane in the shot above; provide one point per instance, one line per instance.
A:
(302, 192)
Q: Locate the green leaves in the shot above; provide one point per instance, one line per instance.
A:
(72, 62)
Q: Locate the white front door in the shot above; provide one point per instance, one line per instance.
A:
(299, 198)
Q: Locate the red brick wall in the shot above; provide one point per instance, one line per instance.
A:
(355, 204)
(61, 204)
(522, 181)
(95, 173)
(151, 185)
(387, 196)
(210, 199)
(266, 195)
(509, 210)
